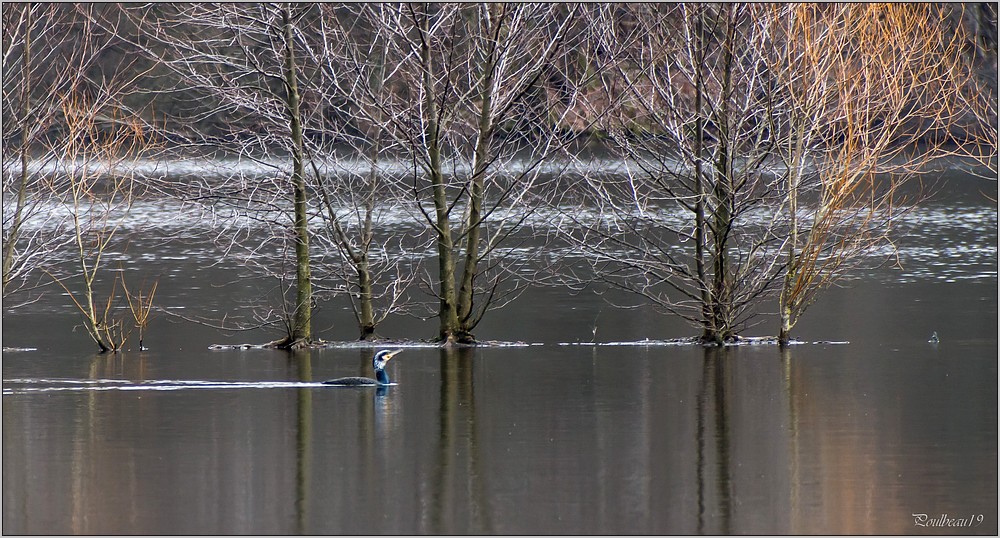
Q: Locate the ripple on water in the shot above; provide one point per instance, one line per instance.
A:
(47, 385)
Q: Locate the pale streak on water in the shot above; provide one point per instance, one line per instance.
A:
(937, 242)
(41, 385)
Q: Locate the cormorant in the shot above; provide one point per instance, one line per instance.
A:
(378, 363)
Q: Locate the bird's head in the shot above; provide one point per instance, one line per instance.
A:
(382, 357)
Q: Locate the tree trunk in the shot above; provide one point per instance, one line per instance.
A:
(366, 315)
(721, 290)
(709, 332)
(366, 310)
(786, 299)
(480, 162)
(301, 330)
(448, 313)
(722, 195)
(785, 333)
(92, 326)
(720, 227)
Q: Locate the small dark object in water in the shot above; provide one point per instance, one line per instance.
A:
(378, 363)
(934, 338)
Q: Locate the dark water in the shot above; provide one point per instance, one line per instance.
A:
(557, 437)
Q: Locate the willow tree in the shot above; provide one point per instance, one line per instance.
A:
(466, 102)
(867, 95)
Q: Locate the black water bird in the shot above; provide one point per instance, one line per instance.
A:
(378, 363)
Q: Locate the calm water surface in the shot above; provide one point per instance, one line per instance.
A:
(558, 437)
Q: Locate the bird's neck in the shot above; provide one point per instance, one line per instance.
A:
(382, 377)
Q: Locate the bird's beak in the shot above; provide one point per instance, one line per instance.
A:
(393, 354)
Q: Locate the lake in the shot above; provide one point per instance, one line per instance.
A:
(588, 428)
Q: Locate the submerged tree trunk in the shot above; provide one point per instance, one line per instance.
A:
(723, 194)
(301, 329)
(708, 332)
(720, 224)
(480, 161)
(785, 310)
(366, 314)
(448, 313)
(366, 310)
(785, 332)
(721, 286)
(449, 331)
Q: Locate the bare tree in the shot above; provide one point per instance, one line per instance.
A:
(67, 165)
(243, 58)
(358, 189)
(93, 181)
(57, 70)
(764, 147)
(281, 93)
(467, 105)
(683, 224)
(869, 95)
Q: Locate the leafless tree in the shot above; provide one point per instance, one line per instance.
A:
(243, 59)
(764, 146)
(683, 225)
(867, 96)
(276, 75)
(358, 187)
(67, 163)
(470, 103)
(57, 78)
(94, 184)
